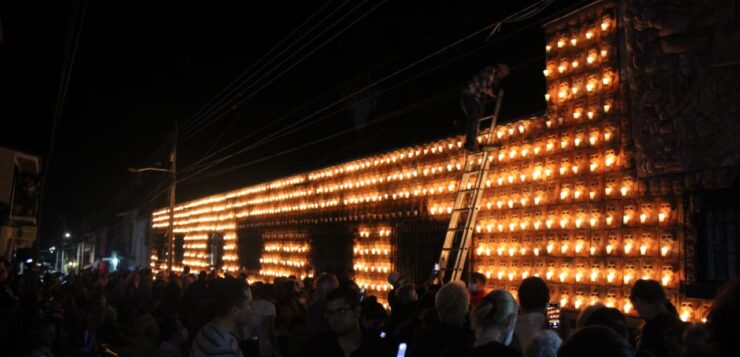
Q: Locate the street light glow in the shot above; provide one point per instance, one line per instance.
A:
(67, 235)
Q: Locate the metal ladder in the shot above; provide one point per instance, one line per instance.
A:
(467, 204)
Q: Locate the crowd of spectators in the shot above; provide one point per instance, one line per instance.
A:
(141, 313)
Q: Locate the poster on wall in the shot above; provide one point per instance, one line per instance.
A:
(24, 203)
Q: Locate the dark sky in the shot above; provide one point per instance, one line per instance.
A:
(142, 66)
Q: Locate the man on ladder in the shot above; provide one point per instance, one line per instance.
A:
(475, 98)
(467, 201)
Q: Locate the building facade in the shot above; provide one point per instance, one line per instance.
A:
(604, 189)
(19, 190)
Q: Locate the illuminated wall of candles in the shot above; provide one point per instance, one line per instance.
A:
(561, 201)
(564, 202)
(285, 253)
(372, 251)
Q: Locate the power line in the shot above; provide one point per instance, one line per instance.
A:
(204, 121)
(292, 128)
(297, 62)
(306, 105)
(235, 83)
(342, 132)
(378, 120)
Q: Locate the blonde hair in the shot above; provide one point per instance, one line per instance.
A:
(494, 310)
(452, 302)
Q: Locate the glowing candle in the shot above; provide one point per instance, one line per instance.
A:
(548, 223)
(643, 217)
(661, 217)
(664, 250)
(609, 249)
(550, 248)
(592, 194)
(589, 34)
(666, 279)
(594, 275)
(627, 278)
(536, 251)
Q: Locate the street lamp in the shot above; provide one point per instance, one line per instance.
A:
(67, 235)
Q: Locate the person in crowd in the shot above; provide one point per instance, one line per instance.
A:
(171, 337)
(608, 317)
(649, 301)
(413, 326)
(493, 321)
(262, 322)
(315, 320)
(233, 308)
(724, 319)
(533, 297)
(8, 304)
(586, 313)
(291, 317)
(374, 317)
(406, 304)
(477, 288)
(395, 279)
(345, 336)
(448, 337)
(309, 287)
(592, 341)
(543, 344)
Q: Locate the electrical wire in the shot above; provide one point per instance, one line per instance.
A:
(431, 100)
(234, 85)
(208, 120)
(306, 105)
(290, 128)
(383, 118)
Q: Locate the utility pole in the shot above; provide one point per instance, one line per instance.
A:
(170, 236)
(173, 187)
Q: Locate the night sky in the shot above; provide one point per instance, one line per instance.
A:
(142, 66)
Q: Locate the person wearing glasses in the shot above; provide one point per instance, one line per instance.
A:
(345, 336)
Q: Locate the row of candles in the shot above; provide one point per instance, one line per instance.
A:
(372, 260)
(285, 253)
(582, 85)
(595, 273)
(513, 153)
(613, 245)
(586, 35)
(592, 56)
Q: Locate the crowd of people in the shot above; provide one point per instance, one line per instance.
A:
(139, 313)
